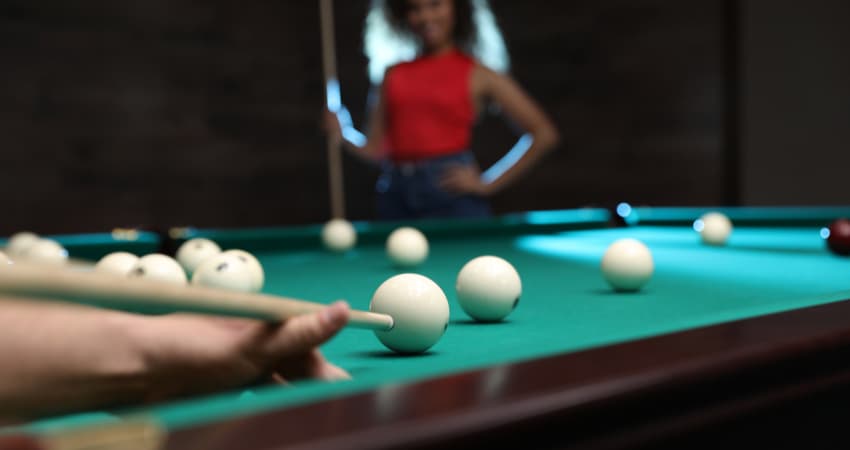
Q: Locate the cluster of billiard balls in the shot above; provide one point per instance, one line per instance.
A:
(487, 288)
(200, 261)
(32, 248)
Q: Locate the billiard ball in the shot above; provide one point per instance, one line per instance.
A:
(193, 252)
(420, 312)
(258, 275)
(19, 242)
(46, 251)
(160, 268)
(714, 228)
(838, 240)
(488, 288)
(627, 265)
(338, 235)
(116, 263)
(225, 271)
(407, 247)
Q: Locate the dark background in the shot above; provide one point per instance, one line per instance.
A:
(205, 113)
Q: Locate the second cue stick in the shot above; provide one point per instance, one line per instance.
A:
(335, 182)
(150, 297)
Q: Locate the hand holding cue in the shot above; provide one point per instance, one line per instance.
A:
(149, 297)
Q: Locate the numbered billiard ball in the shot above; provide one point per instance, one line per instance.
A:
(838, 237)
(627, 265)
(160, 268)
(420, 312)
(488, 288)
(225, 271)
(117, 263)
(195, 251)
(258, 275)
(407, 247)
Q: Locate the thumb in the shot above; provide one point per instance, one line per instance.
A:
(304, 333)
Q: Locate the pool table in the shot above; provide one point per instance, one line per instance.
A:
(744, 343)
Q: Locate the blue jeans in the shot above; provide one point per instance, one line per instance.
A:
(412, 191)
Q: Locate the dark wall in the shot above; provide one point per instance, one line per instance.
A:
(204, 113)
(796, 102)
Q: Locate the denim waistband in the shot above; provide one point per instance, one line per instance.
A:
(464, 156)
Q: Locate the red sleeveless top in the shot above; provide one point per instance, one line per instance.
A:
(428, 106)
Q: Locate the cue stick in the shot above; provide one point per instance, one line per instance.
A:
(335, 182)
(151, 297)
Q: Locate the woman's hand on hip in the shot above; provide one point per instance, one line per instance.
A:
(464, 179)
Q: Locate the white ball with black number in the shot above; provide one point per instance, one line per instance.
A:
(258, 274)
(159, 268)
(488, 288)
(225, 271)
(116, 263)
(194, 252)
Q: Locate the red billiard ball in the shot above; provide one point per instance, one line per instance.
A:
(838, 240)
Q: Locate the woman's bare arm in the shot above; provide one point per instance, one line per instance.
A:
(540, 138)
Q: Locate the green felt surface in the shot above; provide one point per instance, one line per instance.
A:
(565, 306)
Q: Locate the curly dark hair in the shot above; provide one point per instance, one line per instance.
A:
(464, 33)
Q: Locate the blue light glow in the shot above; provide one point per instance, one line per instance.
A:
(699, 225)
(355, 137)
(503, 165)
(350, 133)
(624, 210)
(333, 96)
(824, 233)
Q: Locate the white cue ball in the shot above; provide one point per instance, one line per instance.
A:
(195, 251)
(225, 271)
(488, 288)
(420, 312)
(339, 235)
(258, 275)
(160, 268)
(47, 252)
(407, 247)
(19, 242)
(117, 263)
(627, 265)
(714, 228)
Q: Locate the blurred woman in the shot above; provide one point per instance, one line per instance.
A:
(437, 65)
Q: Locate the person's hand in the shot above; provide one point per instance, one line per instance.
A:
(189, 354)
(331, 126)
(464, 179)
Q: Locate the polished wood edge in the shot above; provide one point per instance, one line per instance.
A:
(592, 393)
